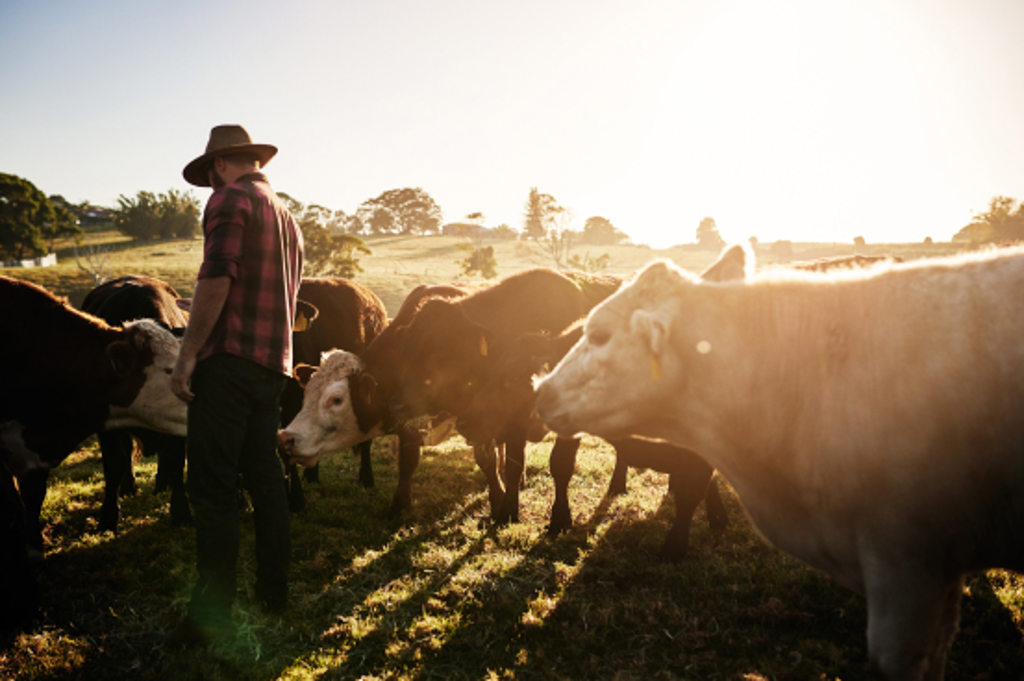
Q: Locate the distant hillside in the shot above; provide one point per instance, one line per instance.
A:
(399, 263)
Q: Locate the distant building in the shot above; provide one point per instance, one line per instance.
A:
(48, 260)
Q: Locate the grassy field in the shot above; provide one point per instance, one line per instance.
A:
(442, 594)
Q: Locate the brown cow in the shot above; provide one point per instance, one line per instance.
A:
(508, 393)
(450, 347)
(68, 375)
(315, 431)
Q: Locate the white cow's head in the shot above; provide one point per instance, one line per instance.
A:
(326, 423)
(144, 360)
(627, 363)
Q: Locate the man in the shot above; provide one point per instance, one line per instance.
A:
(235, 357)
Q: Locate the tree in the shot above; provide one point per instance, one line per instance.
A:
(542, 211)
(66, 223)
(28, 218)
(410, 211)
(147, 216)
(137, 217)
(177, 215)
(859, 241)
(481, 260)
(600, 231)
(503, 232)
(329, 251)
(708, 236)
(533, 223)
(1003, 221)
(588, 264)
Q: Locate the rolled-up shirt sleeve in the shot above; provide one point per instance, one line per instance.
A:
(223, 224)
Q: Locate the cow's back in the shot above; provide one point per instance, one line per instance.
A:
(135, 297)
(350, 316)
(533, 300)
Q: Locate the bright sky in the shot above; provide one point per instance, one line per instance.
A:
(812, 120)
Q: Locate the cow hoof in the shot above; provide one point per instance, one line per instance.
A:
(108, 520)
(556, 529)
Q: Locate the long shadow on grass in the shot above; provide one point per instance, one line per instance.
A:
(110, 602)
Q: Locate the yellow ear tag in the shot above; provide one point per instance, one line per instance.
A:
(301, 323)
(483, 346)
(655, 368)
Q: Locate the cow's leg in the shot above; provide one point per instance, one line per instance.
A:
(689, 484)
(171, 459)
(486, 456)
(365, 467)
(116, 455)
(296, 497)
(912, 618)
(409, 442)
(18, 589)
(32, 486)
(312, 474)
(718, 519)
(563, 464)
(617, 485)
(515, 461)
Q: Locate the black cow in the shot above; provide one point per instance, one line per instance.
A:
(118, 301)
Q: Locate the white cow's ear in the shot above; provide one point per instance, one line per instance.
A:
(303, 372)
(651, 329)
(735, 263)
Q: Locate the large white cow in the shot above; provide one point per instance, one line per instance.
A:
(872, 423)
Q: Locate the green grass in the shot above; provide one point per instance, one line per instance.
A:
(443, 594)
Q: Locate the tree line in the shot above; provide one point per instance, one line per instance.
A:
(1003, 222)
(30, 223)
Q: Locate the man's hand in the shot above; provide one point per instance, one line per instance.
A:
(183, 369)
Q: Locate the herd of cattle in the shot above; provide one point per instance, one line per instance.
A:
(869, 415)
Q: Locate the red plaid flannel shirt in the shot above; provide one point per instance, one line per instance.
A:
(252, 238)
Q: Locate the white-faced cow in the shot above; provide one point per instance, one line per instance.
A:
(334, 417)
(348, 316)
(69, 375)
(75, 375)
(870, 422)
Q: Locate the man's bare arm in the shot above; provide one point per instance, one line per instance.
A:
(207, 303)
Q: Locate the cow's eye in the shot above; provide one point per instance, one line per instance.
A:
(336, 400)
(168, 371)
(599, 337)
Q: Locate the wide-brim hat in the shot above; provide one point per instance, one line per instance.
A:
(225, 139)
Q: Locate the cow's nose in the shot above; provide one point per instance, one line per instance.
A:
(286, 442)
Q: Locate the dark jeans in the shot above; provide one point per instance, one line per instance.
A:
(232, 429)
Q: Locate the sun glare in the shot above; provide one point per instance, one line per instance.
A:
(797, 121)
